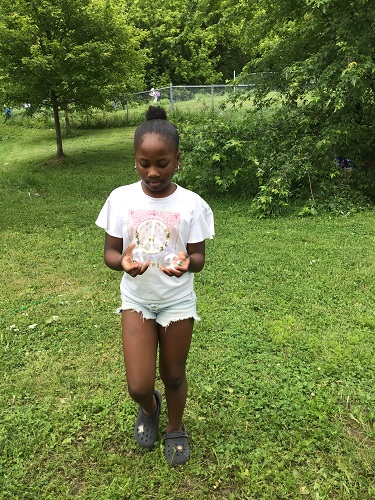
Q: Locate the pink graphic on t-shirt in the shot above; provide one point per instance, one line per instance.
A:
(155, 234)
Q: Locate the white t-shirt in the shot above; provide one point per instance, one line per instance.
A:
(161, 228)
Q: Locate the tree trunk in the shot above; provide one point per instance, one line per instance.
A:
(60, 152)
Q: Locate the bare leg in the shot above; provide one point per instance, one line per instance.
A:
(174, 348)
(140, 342)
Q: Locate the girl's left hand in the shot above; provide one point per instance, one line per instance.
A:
(180, 265)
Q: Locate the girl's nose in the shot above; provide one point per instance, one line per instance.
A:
(153, 172)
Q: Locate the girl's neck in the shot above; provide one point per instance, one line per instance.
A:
(167, 191)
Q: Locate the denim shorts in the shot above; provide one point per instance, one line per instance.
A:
(163, 314)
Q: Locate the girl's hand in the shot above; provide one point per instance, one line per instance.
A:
(180, 265)
(130, 267)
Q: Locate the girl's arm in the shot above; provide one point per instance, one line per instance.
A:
(113, 252)
(196, 252)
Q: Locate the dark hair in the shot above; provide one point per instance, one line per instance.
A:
(157, 123)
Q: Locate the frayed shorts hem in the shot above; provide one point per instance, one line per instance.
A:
(163, 314)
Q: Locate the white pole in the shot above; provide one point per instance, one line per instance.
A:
(171, 97)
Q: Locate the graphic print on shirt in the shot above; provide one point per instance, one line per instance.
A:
(155, 234)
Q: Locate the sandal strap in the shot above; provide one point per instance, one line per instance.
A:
(175, 434)
(149, 418)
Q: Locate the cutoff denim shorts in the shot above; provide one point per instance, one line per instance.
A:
(163, 314)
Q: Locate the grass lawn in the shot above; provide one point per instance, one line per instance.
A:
(281, 371)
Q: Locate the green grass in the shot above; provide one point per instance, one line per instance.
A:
(281, 370)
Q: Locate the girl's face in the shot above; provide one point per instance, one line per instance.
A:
(156, 161)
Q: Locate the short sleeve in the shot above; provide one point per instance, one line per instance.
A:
(109, 219)
(202, 227)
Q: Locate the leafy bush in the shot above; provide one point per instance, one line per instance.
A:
(277, 160)
(218, 156)
(299, 165)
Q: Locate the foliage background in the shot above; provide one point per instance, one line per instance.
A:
(312, 63)
(319, 56)
(67, 54)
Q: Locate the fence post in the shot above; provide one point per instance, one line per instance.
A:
(171, 97)
(212, 98)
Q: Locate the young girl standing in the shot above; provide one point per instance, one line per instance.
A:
(155, 233)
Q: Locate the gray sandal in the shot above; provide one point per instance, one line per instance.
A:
(176, 447)
(146, 427)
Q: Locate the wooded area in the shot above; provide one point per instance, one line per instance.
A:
(314, 58)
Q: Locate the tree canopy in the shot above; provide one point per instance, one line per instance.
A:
(188, 41)
(314, 58)
(60, 53)
(320, 55)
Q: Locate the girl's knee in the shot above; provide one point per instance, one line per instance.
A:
(173, 380)
(139, 391)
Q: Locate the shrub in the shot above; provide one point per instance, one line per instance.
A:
(218, 156)
(275, 159)
(297, 165)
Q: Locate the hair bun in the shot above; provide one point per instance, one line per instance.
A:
(156, 113)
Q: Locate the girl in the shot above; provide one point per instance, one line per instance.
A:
(155, 233)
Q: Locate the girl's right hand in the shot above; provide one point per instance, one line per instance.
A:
(130, 267)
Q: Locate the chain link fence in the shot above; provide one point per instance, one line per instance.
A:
(187, 98)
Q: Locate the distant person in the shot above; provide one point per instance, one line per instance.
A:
(155, 94)
(7, 114)
(344, 163)
(155, 235)
(27, 107)
(115, 104)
